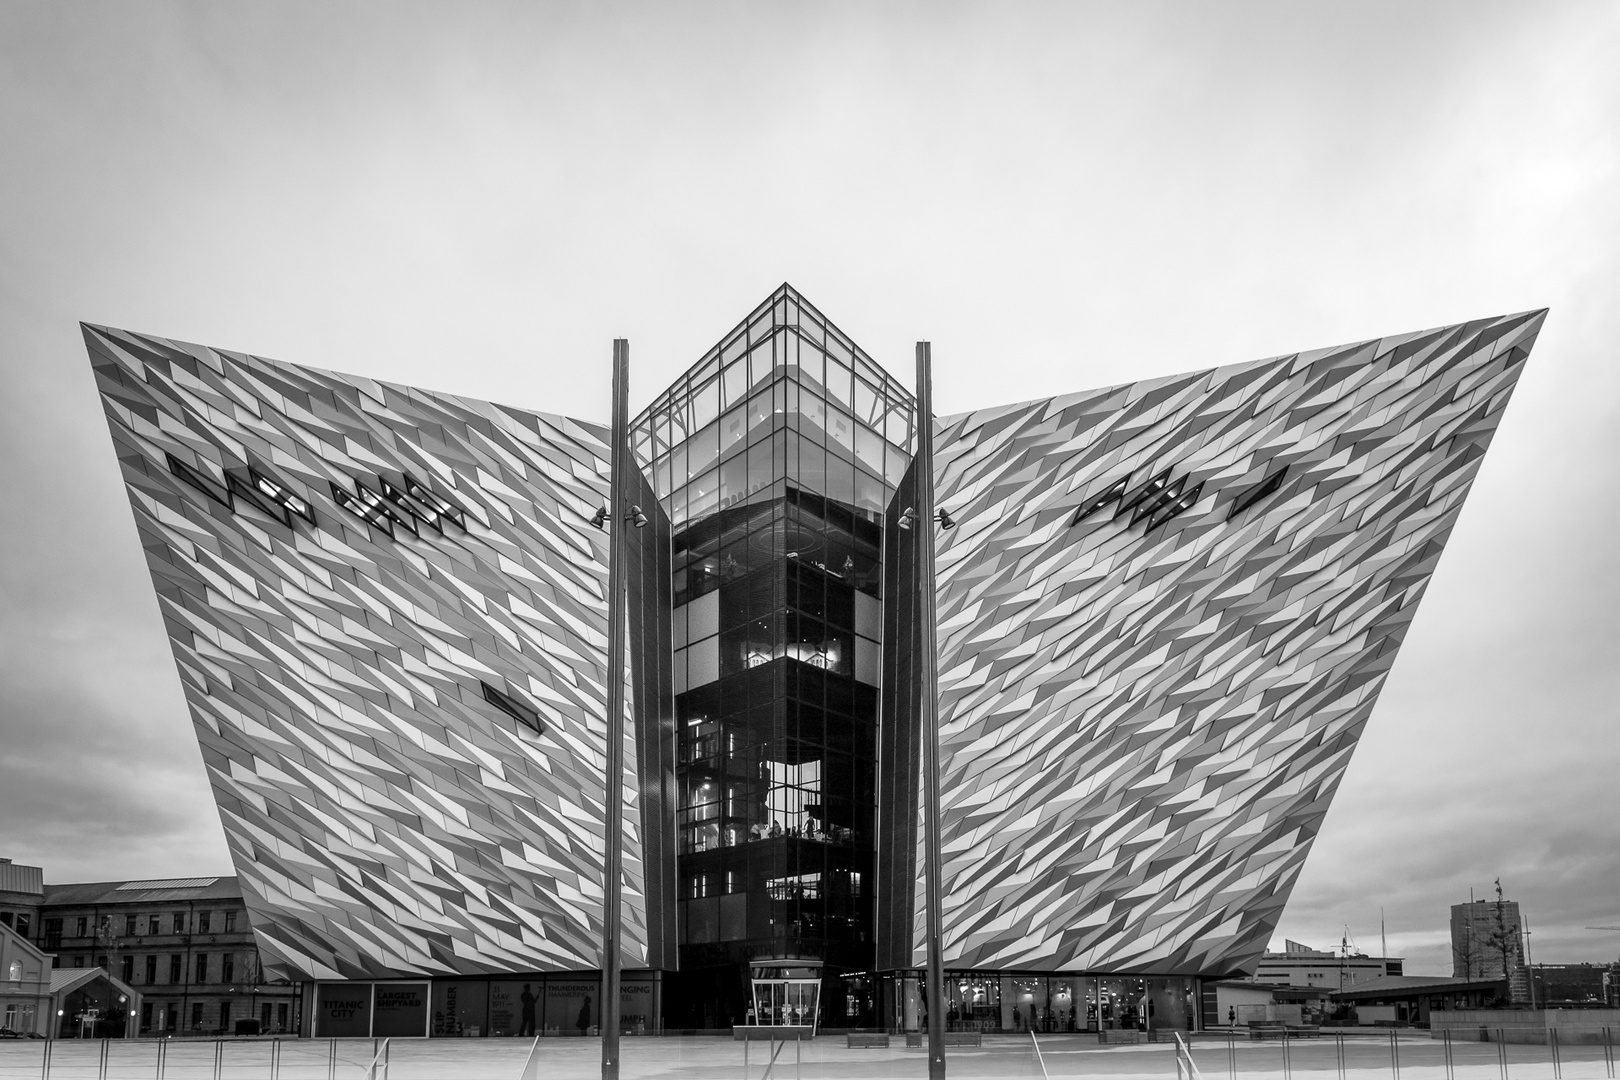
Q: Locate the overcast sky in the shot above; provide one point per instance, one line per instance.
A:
(478, 198)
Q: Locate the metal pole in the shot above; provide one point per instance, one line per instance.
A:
(1608, 1050)
(1338, 1041)
(1558, 1066)
(1394, 1056)
(611, 885)
(1451, 1067)
(928, 657)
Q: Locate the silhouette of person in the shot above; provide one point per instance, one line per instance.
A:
(584, 1021)
(526, 1029)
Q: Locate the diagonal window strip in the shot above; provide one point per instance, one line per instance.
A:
(242, 484)
(1112, 493)
(1259, 491)
(513, 706)
(1152, 488)
(1182, 503)
(197, 480)
(366, 506)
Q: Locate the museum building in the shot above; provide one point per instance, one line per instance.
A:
(1164, 613)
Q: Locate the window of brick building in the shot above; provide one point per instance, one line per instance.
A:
(201, 974)
(151, 971)
(129, 925)
(196, 1014)
(203, 920)
(154, 928)
(174, 968)
(128, 973)
(81, 927)
(179, 922)
(227, 968)
(230, 922)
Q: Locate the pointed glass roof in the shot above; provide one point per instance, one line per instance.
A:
(785, 399)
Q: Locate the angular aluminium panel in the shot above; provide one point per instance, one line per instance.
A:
(336, 613)
(1165, 615)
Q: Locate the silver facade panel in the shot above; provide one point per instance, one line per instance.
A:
(1144, 721)
(383, 816)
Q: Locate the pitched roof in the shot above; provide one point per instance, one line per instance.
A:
(66, 980)
(163, 890)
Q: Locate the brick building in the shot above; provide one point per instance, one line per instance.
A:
(22, 888)
(183, 943)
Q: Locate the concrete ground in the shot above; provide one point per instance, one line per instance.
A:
(709, 1058)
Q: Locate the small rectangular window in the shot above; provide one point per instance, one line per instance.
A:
(151, 970)
(23, 920)
(179, 922)
(230, 922)
(81, 927)
(174, 969)
(203, 919)
(513, 706)
(202, 968)
(154, 928)
(129, 925)
(227, 968)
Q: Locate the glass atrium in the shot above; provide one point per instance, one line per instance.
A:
(775, 458)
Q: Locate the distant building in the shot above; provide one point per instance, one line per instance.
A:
(1487, 943)
(1570, 984)
(1301, 965)
(21, 890)
(1410, 999)
(25, 984)
(184, 943)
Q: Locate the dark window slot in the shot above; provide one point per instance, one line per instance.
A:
(513, 706)
(1268, 486)
(197, 480)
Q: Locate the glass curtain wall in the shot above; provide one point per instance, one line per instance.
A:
(774, 459)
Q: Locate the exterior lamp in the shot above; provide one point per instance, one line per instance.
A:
(634, 516)
(909, 515)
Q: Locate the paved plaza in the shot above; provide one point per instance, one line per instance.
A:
(710, 1058)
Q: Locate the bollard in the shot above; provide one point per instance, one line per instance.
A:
(1231, 1054)
(162, 1058)
(106, 1048)
(219, 1058)
(275, 1059)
